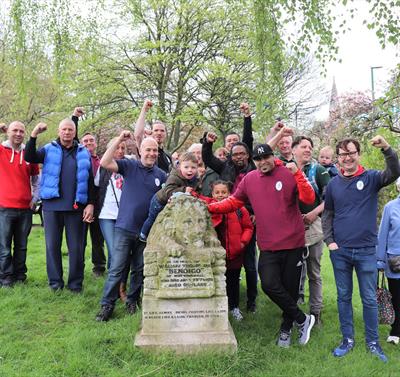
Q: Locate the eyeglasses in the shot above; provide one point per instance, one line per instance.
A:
(347, 154)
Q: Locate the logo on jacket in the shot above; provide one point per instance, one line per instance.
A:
(278, 186)
(360, 185)
(157, 182)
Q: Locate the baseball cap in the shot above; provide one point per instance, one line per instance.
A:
(262, 150)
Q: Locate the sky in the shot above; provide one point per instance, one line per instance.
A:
(360, 50)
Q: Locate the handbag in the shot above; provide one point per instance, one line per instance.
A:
(394, 263)
(384, 299)
(314, 232)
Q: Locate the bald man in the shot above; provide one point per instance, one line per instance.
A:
(18, 195)
(142, 179)
(68, 193)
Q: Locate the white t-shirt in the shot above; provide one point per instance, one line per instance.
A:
(110, 207)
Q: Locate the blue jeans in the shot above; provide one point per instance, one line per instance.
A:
(363, 261)
(155, 208)
(126, 245)
(15, 225)
(107, 227)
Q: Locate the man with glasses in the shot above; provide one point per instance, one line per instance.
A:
(349, 226)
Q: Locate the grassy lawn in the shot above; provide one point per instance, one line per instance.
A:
(45, 334)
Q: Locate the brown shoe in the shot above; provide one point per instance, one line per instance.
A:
(122, 292)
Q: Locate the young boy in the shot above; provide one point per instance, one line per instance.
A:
(181, 179)
(325, 158)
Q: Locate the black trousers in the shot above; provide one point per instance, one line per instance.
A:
(98, 255)
(233, 287)
(250, 267)
(280, 278)
(394, 288)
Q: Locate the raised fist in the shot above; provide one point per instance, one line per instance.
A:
(39, 128)
(292, 167)
(211, 137)
(278, 126)
(125, 135)
(147, 105)
(3, 127)
(78, 112)
(245, 109)
(285, 131)
(379, 141)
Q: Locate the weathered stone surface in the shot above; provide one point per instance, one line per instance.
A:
(185, 307)
(150, 269)
(186, 326)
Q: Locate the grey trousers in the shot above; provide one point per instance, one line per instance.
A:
(312, 268)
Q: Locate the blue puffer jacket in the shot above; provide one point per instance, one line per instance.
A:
(49, 186)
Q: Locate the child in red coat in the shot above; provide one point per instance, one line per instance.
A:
(234, 230)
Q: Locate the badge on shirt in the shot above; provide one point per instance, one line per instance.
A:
(278, 186)
(360, 185)
(157, 182)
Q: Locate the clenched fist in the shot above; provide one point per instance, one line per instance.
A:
(39, 128)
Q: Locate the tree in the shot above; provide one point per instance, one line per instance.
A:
(181, 54)
(309, 27)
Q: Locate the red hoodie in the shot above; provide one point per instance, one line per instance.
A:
(15, 174)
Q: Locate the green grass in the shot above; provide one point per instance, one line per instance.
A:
(45, 334)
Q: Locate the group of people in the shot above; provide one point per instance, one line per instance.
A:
(274, 195)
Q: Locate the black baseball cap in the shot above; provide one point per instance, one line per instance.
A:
(262, 150)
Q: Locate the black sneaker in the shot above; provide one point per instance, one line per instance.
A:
(98, 273)
(105, 313)
(251, 307)
(131, 307)
(7, 283)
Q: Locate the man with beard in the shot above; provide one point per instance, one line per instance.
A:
(233, 170)
(274, 192)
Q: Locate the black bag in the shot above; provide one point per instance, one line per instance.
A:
(384, 299)
(394, 263)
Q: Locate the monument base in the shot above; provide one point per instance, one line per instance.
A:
(188, 342)
(186, 325)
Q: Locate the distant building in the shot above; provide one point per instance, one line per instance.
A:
(334, 110)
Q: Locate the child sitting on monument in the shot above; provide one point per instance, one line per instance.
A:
(181, 180)
(234, 231)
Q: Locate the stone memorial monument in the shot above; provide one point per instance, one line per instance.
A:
(185, 307)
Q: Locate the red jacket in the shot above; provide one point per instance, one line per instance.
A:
(233, 229)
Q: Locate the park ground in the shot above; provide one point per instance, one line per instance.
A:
(46, 334)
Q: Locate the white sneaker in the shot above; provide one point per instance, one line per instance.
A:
(236, 314)
(393, 339)
(305, 329)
